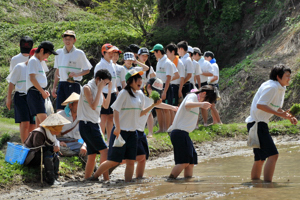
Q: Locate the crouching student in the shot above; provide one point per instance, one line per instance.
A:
(128, 108)
(185, 121)
(88, 113)
(267, 102)
(45, 137)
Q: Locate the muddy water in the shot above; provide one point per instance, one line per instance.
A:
(223, 172)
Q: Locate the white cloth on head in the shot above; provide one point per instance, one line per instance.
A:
(52, 138)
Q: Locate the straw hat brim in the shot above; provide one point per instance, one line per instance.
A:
(55, 120)
(72, 98)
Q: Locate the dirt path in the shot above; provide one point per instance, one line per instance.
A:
(117, 189)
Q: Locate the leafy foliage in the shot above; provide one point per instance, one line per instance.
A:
(295, 109)
(155, 96)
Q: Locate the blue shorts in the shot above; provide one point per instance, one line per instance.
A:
(65, 89)
(184, 151)
(175, 88)
(109, 110)
(186, 88)
(267, 146)
(169, 95)
(35, 101)
(127, 151)
(92, 137)
(22, 113)
(142, 145)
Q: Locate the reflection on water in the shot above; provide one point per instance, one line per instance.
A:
(226, 178)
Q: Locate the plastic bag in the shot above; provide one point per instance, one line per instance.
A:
(253, 140)
(48, 107)
(119, 142)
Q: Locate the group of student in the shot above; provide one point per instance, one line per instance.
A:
(116, 102)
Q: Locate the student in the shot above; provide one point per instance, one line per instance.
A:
(129, 60)
(197, 70)
(167, 72)
(106, 123)
(128, 108)
(189, 67)
(143, 57)
(134, 48)
(213, 80)
(185, 120)
(207, 71)
(70, 64)
(88, 113)
(36, 81)
(268, 101)
(177, 85)
(22, 114)
(120, 70)
(45, 137)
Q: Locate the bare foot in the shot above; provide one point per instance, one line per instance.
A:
(149, 136)
(159, 131)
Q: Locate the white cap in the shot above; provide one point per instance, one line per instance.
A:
(190, 49)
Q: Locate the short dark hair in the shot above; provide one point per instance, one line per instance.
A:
(183, 44)
(209, 54)
(69, 36)
(103, 74)
(161, 51)
(45, 50)
(172, 47)
(279, 70)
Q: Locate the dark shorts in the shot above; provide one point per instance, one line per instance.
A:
(109, 110)
(35, 102)
(267, 146)
(142, 145)
(169, 95)
(127, 151)
(92, 137)
(22, 113)
(119, 88)
(175, 88)
(65, 89)
(186, 88)
(184, 151)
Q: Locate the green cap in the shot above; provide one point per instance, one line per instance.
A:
(157, 47)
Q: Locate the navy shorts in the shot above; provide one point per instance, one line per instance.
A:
(142, 145)
(119, 88)
(65, 89)
(184, 151)
(127, 151)
(169, 95)
(35, 101)
(202, 84)
(186, 88)
(22, 113)
(175, 88)
(92, 137)
(109, 110)
(267, 146)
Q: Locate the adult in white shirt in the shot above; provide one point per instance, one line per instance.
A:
(209, 56)
(70, 64)
(207, 71)
(120, 70)
(268, 101)
(36, 81)
(197, 69)
(189, 67)
(185, 120)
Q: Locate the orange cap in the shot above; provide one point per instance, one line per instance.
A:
(107, 48)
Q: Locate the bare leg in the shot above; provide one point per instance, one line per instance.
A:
(167, 120)
(177, 170)
(109, 125)
(102, 159)
(270, 168)
(103, 124)
(31, 127)
(129, 170)
(140, 168)
(24, 130)
(150, 123)
(204, 116)
(215, 114)
(256, 169)
(90, 165)
(40, 117)
(104, 167)
(188, 171)
(160, 119)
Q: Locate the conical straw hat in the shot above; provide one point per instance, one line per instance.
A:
(55, 120)
(72, 98)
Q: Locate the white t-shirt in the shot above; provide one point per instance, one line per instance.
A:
(196, 72)
(121, 72)
(145, 79)
(181, 71)
(270, 93)
(84, 110)
(103, 64)
(18, 77)
(143, 119)
(74, 133)
(34, 66)
(188, 65)
(186, 119)
(129, 109)
(165, 68)
(14, 61)
(215, 73)
(73, 61)
(205, 68)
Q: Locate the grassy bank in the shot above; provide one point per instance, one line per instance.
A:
(72, 167)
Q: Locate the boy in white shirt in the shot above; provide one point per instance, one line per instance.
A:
(197, 70)
(121, 71)
(267, 102)
(71, 64)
